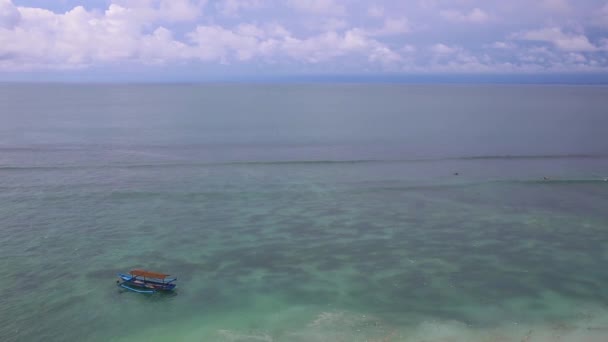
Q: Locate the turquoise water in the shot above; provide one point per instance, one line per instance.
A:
(305, 213)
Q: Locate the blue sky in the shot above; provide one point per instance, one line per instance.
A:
(198, 40)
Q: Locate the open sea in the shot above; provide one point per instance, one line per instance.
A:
(305, 212)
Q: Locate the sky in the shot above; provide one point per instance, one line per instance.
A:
(264, 39)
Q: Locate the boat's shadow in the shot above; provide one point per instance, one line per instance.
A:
(157, 295)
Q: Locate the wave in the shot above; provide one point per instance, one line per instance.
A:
(302, 162)
(203, 164)
(429, 159)
(561, 181)
(44, 168)
(447, 185)
(540, 156)
(348, 187)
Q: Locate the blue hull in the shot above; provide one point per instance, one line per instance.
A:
(136, 290)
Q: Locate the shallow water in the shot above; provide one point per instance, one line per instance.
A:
(298, 240)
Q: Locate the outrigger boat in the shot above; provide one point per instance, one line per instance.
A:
(146, 282)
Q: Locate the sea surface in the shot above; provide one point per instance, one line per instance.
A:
(305, 212)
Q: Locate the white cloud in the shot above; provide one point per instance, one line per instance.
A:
(9, 14)
(79, 38)
(164, 10)
(384, 55)
(130, 32)
(502, 45)
(276, 30)
(325, 7)
(476, 15)
(160, 47)
(561, 40)
(250, 30)
(408, 49)
(392, 26)
(601, 16)
(577, 57)
(217, 43)
(375, 11)
(445, 58)
(246, 42)
(556, 5)
(232, 8)
(333, 24)
(427, 4)
(331, 45)
(181, 10)
(73, 38)
(442, 49)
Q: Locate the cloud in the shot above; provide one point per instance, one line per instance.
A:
(232, 8)
(375, 11)
(331, 45)
(502, 45)
(241, 43)
(392, 26)
(408, 49)
(246, 42)
(600, 17)
(164, 10)
(455, 59)
(9, 14)
(384, 56)
(476, 15)
(80, 38)
(556, 5)
(217, 43)
(324, 7)
(555, 36)
(160, 47)
(577, 57)
(442, 49)
(181, 10)
(333, 24)
(320, 34)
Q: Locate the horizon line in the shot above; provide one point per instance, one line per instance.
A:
(413, 79)
(301, 82)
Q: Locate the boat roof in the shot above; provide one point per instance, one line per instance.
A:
(148, 274)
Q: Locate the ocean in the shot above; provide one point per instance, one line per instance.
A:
(305, 212)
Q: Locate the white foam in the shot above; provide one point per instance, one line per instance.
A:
(345, 326)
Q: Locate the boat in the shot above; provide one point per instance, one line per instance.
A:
(142, 281)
